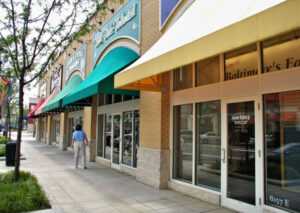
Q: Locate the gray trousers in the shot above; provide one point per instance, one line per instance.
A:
(79, 150)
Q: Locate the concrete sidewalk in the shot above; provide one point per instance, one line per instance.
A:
(99, 188)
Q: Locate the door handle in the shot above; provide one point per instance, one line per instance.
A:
(223, 155)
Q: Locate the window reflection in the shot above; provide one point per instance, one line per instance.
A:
(241, 63)
(183, 77)
(107, 147)
(282, 153)
(127, 138)
(208, 71)
(100, 138)
(282, 52)
(208, 144)
(183, 142)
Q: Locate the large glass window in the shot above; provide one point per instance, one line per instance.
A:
(183, 77)
(241, 63)
(108, 99)
(136, 136)
(127, 138)
(208, 71)
(108, 132)
(208, 144)
(183, 142)
(100, 136)
(282, 150)
(282, 52)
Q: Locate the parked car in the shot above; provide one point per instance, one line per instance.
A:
(210, 137)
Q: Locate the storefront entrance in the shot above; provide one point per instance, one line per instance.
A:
(241, 186)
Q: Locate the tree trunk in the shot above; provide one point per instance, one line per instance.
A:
(20, 127)
(8, 119)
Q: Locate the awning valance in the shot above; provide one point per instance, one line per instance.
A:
(56, 103)
(48, 100)
(208, 28)
(31, 113)
(101, 80)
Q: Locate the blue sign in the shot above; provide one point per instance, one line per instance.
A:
(124, 24)
(166, 8)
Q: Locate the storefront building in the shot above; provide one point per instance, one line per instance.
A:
(223, 83)
(109, 116)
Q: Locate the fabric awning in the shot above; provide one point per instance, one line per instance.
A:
(101, 80)
(31, 113)
(48, 100)
(208, 28)
(56, 103)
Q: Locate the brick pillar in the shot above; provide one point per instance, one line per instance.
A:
(153, 164)
(49, 130)
(63, 131)
(89, 126)
(38, 129)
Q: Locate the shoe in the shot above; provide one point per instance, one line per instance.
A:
(85, 167)
(76, 167)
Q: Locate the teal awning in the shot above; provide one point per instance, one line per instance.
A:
(57, 101)
(101, 80)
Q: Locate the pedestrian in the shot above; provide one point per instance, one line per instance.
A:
(78, 142)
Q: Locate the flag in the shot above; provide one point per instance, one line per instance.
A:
(5, 89)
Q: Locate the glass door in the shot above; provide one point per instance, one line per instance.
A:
(241, 155)
(116, 139)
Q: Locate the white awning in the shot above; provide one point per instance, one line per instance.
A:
(196, 35)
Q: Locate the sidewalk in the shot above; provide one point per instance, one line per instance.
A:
(99, 188)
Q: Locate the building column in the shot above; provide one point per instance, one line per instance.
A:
(63, 131)
(153, 158)
(38, 129)
(49, 130)
(89, 126)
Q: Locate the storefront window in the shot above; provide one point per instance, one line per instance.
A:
(241, 63)
(127, 138)
(208, 71)
(127, 98)
(282, 150)
(108, 99)
(208, 144)
(183, 142)
(282, 52)
(136, 136)
(100, 136)
(117, 98)
(183, 77)
(108, 132)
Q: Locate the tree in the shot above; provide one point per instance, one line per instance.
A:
(33, 32)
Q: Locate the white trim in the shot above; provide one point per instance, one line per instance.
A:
(109, 48)
(273, 209)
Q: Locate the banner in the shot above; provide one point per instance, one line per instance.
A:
(5, 89)
(3, 109)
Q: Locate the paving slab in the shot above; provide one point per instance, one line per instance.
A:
(99, 188)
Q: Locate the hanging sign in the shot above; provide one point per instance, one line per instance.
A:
(43, 90)
(76, 62)
(124, 24)
(56, 79)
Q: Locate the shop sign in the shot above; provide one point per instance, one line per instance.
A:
(43, 90)
(76, 62)
(240, 118)
(56, 79)
(124, 24)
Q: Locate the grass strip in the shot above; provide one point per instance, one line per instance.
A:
(25, 195)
